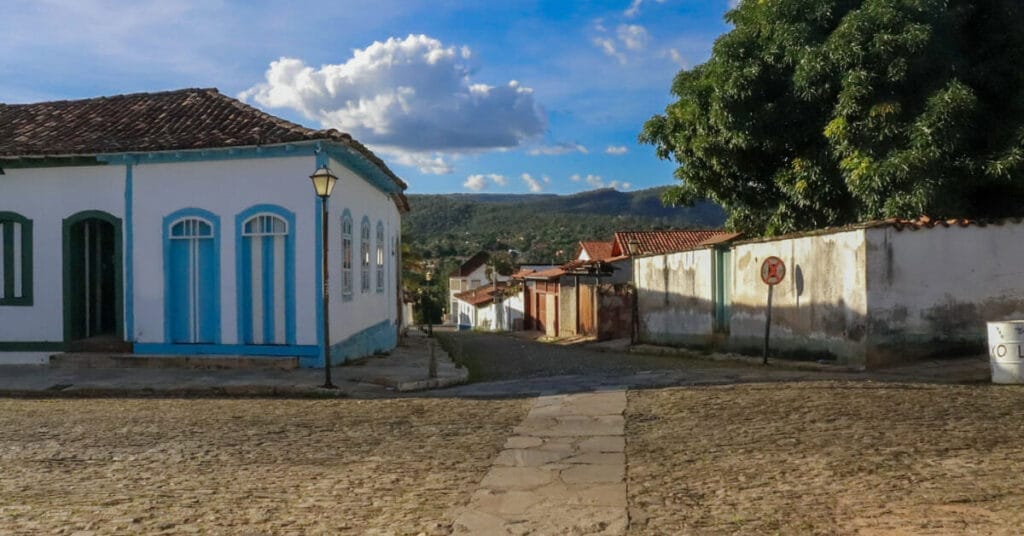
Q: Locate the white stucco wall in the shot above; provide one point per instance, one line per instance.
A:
(931, 288)
(820, 306)
(365, 309)
(225, 188)
(47, 196)
(674, 293)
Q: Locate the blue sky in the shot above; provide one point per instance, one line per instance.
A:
(457, 96)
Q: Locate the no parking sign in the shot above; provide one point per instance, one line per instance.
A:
(773, 270)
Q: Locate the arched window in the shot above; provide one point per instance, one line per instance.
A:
(364, 255)
(380, 256)
(15, 259)
(346, 254)
(266, 266)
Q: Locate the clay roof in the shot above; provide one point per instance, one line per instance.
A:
(481, 295)
(596, 249)
(522, 273)
(899, 224)
(546, 275)
(471, 264)
(655, 242)
(175, 120)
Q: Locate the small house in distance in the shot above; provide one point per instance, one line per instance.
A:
(490, 307)
(869, 295)
(471, 274)
(184, 223)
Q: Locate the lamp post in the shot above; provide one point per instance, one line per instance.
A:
(323, 183)
(430, 300)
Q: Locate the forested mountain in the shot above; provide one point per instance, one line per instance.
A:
(544, 228)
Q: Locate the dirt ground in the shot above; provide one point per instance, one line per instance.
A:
(826, 458)
(244, 466)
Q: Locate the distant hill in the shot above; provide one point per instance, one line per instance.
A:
(544, 227)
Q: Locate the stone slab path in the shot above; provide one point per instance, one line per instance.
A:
(562, 472)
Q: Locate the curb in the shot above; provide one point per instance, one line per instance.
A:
(240, 391)
(651, 349)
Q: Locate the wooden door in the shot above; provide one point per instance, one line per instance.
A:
(586, 315)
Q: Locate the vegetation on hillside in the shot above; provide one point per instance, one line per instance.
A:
(541, 228)
(813, 113)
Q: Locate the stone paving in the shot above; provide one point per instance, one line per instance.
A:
(561, 472)
(244, 466)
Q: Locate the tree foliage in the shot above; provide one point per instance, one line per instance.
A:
(812, 113)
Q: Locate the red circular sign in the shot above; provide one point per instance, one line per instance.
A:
(773, 270)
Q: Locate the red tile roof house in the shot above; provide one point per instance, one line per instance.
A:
(474, 272)
(593, 298)
(185, 223)
(489, 307)
(866, 295)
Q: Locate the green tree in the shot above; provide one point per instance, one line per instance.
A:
(812, 113)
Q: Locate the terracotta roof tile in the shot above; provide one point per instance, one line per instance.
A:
(547, 275)
(900, 224)
(181, 119)
(596, 249)
(655, 242)
(522, 273)
(481, 295)
(471, 264)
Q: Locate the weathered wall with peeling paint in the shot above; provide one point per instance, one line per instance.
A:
(870, 297)
(930, 291)
(674, 297)
(615, 311)
(820, 307)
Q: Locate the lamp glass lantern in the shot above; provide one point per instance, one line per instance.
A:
(323, 181)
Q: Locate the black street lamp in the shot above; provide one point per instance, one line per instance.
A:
(430, 299)
(323, 183)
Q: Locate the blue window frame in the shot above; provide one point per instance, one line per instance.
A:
(364, 255)
(265, 263)
(380, 256)
(346, 255)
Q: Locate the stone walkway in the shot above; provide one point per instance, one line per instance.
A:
(562, 472)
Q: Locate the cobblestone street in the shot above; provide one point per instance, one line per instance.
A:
(701, 447)
(244, 466)
(826, 458)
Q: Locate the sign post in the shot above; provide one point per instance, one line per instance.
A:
(773, 270)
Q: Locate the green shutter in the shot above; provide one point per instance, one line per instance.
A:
(12, 295)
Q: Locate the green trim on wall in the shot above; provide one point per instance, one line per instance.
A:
(69, 222)
(31, 346)
(49, 162)
(7, 242)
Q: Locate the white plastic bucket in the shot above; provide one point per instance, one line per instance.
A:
(1006, 351)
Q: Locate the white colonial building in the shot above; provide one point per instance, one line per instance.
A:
(184, 222)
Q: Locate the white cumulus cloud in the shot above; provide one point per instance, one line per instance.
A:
(427, 163)
(479, 181)
(532, 183)
(559, 148)
(608, 47)
(475, 183)
(412, 95)
(632, 36)
(628, 38)
(634, 7)
(616, 150)
(596, 181)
